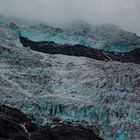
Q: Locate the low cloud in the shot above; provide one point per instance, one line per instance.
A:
(124, 13)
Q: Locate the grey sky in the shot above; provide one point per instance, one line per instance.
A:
(125, 13)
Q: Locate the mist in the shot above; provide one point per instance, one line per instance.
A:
(124, 13)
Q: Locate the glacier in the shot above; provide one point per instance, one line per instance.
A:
(105, 94)
(105, 37)
(72, 88)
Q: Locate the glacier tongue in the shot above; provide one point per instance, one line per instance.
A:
(75, 88)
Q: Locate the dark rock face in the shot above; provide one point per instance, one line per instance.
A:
(10, 127)
(80, 50)
(14, 114)
(63, 132)
(15, 125)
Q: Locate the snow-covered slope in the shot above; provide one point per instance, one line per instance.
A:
(105, 94)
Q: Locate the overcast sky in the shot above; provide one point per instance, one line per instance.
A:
(125, 13)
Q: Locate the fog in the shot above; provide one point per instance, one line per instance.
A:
(124, 13)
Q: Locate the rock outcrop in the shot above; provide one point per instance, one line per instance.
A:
(80, 50)
(15, 125)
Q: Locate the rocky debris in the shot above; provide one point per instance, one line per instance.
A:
(80, 50)
(15, 125)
